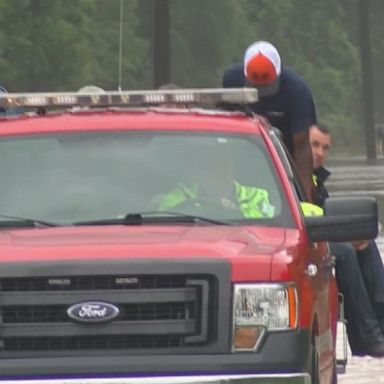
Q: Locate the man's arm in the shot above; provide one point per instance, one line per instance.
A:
(303, 161)
(302, 116)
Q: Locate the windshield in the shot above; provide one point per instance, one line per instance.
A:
(74, 177)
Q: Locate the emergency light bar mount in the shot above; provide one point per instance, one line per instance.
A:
(129, 98)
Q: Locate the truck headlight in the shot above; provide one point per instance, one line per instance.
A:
(261, 307)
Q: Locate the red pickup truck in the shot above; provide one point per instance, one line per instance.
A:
(156, 245)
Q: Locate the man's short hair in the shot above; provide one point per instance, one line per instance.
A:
(323, 128)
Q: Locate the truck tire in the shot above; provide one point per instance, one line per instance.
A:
(334, 374)
(315, 370)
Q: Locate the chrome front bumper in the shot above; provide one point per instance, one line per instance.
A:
(299, 378)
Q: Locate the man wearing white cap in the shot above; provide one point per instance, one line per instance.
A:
(285, 100)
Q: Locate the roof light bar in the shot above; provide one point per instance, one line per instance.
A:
(130, 98)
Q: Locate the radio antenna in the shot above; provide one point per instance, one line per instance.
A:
(120, 60)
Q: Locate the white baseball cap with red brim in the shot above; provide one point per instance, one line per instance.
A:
(262, 67)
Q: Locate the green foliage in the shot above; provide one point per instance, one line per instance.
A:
(377, 32)
(104, 44)
(65, 44)
(206, 37)
(36, 36)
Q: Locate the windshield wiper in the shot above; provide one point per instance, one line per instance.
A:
(23, 222)
(155, 217)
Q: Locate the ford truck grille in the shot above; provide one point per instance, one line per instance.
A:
(172, 310)
(91, 343)
(71, 283)
(58, 313)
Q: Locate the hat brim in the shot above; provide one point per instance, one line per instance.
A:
(266, 90)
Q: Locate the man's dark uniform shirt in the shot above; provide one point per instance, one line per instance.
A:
(321, 174)
(291, 109)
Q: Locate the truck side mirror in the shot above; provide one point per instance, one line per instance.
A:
(345, 219)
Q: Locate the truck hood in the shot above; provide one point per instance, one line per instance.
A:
(239, 245)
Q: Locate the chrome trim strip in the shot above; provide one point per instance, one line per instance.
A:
(298, 378)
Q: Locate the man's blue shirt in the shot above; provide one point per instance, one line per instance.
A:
(291, 109)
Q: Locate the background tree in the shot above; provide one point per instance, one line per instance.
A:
(65, 44)
(104, 44)
(206, 36)
(377, 33)
(43, 43)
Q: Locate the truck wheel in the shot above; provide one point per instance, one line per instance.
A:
(334, 374)
(315, 377)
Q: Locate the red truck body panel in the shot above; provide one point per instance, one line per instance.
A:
(255, 254)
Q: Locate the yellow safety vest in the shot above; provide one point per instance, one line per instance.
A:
(253, 202)
(310, 209)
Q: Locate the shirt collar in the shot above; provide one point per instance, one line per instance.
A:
(322, 174)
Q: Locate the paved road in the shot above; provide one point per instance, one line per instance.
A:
(360, 179)
(357, 179)
(364, 370)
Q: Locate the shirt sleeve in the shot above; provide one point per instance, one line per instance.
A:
(234, 77)
(302, 113)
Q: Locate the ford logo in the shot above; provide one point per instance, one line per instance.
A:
(93, 312)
